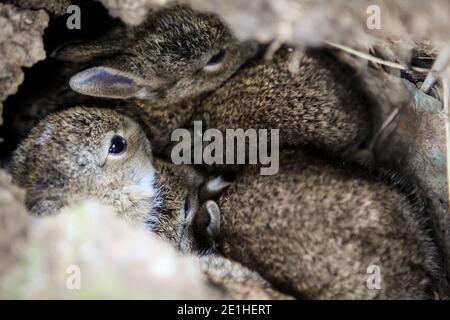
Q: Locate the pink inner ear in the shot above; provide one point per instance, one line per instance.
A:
(105, 82)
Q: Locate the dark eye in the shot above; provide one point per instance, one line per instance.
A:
(187, 206)
(216, 60)
(118, 145)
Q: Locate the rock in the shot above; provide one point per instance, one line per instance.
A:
(14, 221)
(55, 7)
(114, 260)
(132, 12)
(303, 22)
(21, 45)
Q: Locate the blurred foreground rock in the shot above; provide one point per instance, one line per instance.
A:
(132, 12)
(114, 260)
(14, 222)
(88, 252)
(304, 22)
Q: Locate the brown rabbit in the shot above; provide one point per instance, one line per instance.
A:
(322, 231)
(166, 68)
(89, 153)
(98, 153)
(175, 56)
(284, 226)
(320, 105)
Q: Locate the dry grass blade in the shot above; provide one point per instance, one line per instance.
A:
(374, 59)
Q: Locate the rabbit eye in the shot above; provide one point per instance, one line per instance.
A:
(187, 206)
(118, 145)
(216, 61)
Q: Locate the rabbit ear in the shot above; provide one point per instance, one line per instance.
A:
(213, 229)
(79, 52)
(206, 224)
(213, 188)
(108, 82)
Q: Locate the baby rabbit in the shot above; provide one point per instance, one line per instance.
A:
(101, 154)
(320, 105)
(176, 55)
(320, 231)
(170, 63)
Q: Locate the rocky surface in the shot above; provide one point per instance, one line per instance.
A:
(14, 221)
(55, 7)
(132, 12)
(310, 22)
(21, 45)
(87, 252)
